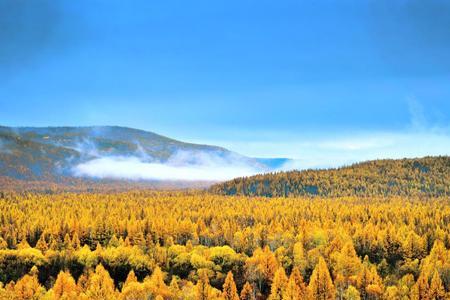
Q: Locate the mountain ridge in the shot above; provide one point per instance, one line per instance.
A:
(427, 176)
(49, 153)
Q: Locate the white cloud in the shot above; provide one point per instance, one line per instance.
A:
(184, 166)
(319, 152)
(355, 144)
(421, 137)
(307, 150)
(325, 150)
(376, 145)
(417, 114)
(86, 147)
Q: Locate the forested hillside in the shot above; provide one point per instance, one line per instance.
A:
(149, 245)
(429, 176)
(50, 155)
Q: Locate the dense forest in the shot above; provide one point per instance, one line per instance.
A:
(195, 245)
(82, 185)
(429, 176)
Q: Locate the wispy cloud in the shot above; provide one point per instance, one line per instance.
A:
(417, 114)
(86, 148)
(422, 136)
(371, 145)
(4, 148)
(183, 166)
(356, 144)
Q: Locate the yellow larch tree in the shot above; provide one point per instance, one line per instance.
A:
(279, 284)
(28, 287)
(321, 286)
(229, 288)
(100, 285)
(65, 287)
(437, 291)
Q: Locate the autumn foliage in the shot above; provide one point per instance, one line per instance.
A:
(426, 177)
(195, 245)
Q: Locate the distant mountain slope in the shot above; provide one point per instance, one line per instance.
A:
(429, 176)
(50, 153)
(105, 140)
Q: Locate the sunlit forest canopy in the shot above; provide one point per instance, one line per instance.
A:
(176, 245)
(429, 176)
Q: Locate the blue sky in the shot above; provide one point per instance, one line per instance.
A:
(326, 82)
